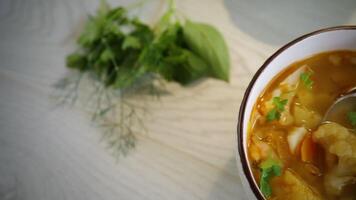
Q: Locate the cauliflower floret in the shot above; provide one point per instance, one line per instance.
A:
(304, 117)
(338, 141)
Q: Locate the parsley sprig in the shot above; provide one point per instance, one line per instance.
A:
(269, 168)
(279, 106)
(305, 77)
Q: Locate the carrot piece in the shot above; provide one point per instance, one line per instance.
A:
(308, 149)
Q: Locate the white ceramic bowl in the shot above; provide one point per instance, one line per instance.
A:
(335, 38)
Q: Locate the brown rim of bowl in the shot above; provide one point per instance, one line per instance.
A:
(244, 162)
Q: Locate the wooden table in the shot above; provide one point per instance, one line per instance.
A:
(49, 153)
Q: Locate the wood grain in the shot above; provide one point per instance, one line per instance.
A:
(56, 154)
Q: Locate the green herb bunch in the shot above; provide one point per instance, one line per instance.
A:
(125, 57)
(119, 50)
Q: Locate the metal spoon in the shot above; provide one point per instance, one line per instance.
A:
(337, 112)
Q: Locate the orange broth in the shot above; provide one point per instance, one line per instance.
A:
(332, 73)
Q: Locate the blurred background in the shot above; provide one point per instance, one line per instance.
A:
(189, 148)
(276, 22)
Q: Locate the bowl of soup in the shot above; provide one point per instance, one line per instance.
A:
(286, 149)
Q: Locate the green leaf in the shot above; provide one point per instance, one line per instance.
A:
(118, 15)
(95, 26)
(91, 33)
(169, 36)
(153, 55)
(279, 106)
(164, 22)
(107, 56)
(279, 103)
(197, 66)
(273, 114)
(269, 168)
(166, 19)
(209, 44)
(305, 77)
(143, 33)
(76, 61)
(269, 163)
(352, 118)
(131, 42)
(190, 68)
(266, 189)
(105, 22)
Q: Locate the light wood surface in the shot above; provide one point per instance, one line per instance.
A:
(49, 153)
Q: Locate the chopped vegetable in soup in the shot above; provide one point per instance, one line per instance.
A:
(293, 154)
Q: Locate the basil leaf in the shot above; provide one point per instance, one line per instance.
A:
(192, 69)
(209, 44)
(197, 66)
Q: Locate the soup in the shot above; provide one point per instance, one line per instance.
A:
(293, 153)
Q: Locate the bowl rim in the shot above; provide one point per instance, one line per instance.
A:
(241, 151)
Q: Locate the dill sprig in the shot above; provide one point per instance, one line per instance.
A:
(115, 112)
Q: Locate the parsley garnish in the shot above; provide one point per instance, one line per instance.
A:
(269, 168)
(273, 115)
(279, 106)
(305, 78)
(352, 118)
